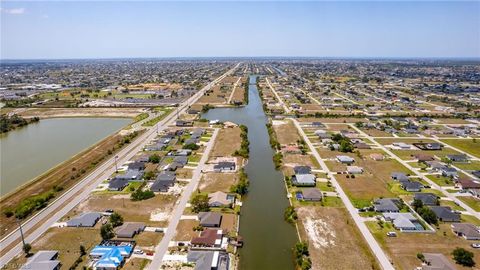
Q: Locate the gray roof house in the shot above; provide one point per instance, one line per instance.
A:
(129, 229)
(304, 180)
(224, 166)
(138, 166)
(445, 214)
(458, 158)
(208, 260)
(131, 175)
(117, 184)
(402, 221)
(302, 169)
(466, 230)
(386, 205)
(449, 172)
(43, 260)
(210, 219)
(163, 182)
(311, 194)
(220, 199)
(426, 198)
(345, 159)
(437, 261)
(412, 186)
(84, 220)
(399, 176)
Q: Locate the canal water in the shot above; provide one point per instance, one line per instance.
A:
(27, 152)
(268, 238)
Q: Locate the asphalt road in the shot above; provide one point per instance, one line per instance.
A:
(68, 200)
(372, 243)
(162, 248)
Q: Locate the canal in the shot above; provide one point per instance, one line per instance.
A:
(268, 238)
(27, 152)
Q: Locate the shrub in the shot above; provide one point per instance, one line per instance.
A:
(463, 257)
(199, 203)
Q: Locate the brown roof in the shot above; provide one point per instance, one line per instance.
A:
(207, 237)
(422, 157)
(467, 183)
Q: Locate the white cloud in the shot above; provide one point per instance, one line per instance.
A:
(13, 11)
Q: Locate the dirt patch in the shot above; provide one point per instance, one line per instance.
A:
(331, 232)
(185, 230)
(212, 182)
(286, 132)
(81, 112)
(228, 140)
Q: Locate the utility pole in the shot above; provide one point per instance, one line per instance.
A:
(116, 167)
(21, 231)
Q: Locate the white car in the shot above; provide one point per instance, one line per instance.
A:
(476, 245)
(138, 251)
(391, 234)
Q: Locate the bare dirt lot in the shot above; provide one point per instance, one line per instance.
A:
(228, 140)
(80, 112)
(212, 182)
(333, 240)
(286, 132)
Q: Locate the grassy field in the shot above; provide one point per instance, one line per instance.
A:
(467, 145)
(472, 202)
(330, 232)
(153, 121)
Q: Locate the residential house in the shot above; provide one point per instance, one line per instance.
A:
(220, 199)
(411, 186)
(466, 230)
(129, 229)
(449, 172)
(136, 166)
(311, 194)
(43, 260)
(208, 260)
(423, 157)
(183, 152)
(224, 166)
(426, 198)
(117, 184)
(399, 176)
(458, 158)
(164, 181)
(84, 220)
(402, 146)
(208, 238)
(210, 219)
(469, 185)
(403, 221)
(110, 257)
(429, 146)
(302, 170)
(354, 170)
(436, 261)
(131, 175)
(377, 157)
(345, 159)
(304, 180)
(445, 214)
(386, 205)
(184, 123)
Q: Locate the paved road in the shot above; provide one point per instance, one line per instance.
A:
(233, 91)
(68, 200)
(382, 258)
(419, 174)
(162, 248)
(287, 110)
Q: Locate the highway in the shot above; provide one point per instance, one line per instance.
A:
(36, 225)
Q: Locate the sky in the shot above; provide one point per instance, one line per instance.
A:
(114, 29)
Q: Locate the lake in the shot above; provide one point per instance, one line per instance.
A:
(27, 152)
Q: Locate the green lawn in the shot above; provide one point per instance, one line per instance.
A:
(441, 180)
(323, 186)
(451, 204)
(467, 145)
(157, 119)
(472, 202)
(470, 219)
(471, 166)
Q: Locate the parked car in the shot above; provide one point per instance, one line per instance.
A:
(149, 253)
(138, 251)
(476, 245)
(391, 234)
(108, 210)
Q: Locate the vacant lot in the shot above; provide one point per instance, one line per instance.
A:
(286, 132)
(131, 211)
(136, 264)
(228, 140)
(403, 249)
(333, 239)
(212, 182)
(467, 145)
(79, 112)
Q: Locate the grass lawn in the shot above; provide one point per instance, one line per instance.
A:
(441, 180)
(451, 204)
(470, 219)
(157, 119)
(467, 145)
(472, 202)
(471, 166)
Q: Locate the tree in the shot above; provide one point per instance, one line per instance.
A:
(191, 146)
(149, 175)
(421, 257)
(106, 231)
(463, 257)
(82, 250)
(428, 215)
(154, 158)
(417, 204)
(116, 219)
(199, 203)
(27, 248)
